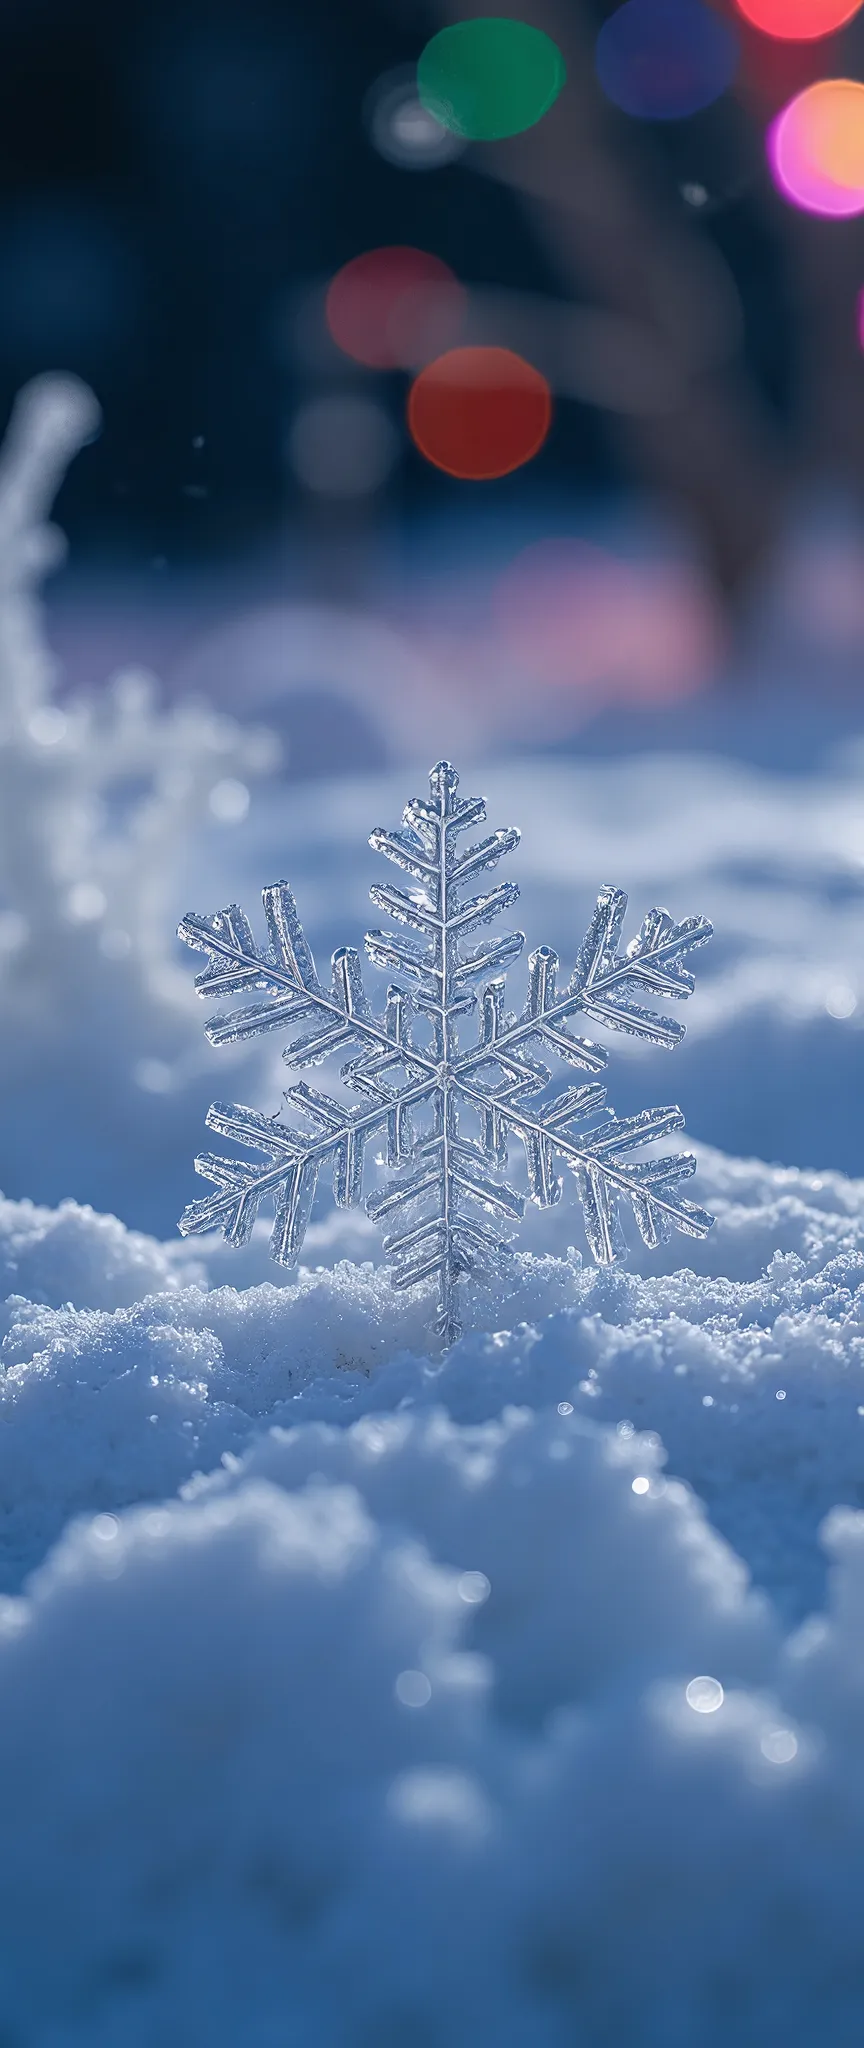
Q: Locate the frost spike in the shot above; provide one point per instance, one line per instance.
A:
(394, 1198)
(542, 974)
(602, 1228)
(406, 850)
(624, 1016)
(411, 1057)
(597, 952)
(386, 949)
(348, 1170)
(578, 1052)
(485, 959)
(630, 1131)
(546, 1186)
(495, 1196)
(483, 909)
(486, 855)
(491, 1128)
(413, 910)
(293, 1210)
(348, 983)
(287, 937)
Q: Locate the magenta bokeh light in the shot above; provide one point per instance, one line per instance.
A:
(792, 144)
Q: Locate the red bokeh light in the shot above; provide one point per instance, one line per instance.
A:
(798, 20)
(479, 413)
(394, 308)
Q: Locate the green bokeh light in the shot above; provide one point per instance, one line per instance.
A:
(489, 78)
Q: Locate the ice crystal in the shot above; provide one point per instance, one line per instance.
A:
(419, 1072)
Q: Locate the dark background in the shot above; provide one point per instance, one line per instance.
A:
(170, 174)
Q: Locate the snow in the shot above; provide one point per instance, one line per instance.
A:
(355, 1693)
(430, 1693)
(362, 1693)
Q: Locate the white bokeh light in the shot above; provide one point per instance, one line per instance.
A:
(704, 1695)
(401, 128)
(342, 445)
(228, 801)
(779, 1745)
(413, 1689)
(841, 1000)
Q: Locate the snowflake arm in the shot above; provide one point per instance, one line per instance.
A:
(447, 1213)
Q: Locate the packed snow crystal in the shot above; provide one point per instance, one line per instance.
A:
(445, 1177)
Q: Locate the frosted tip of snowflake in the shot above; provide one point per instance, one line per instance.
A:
(443, 1073)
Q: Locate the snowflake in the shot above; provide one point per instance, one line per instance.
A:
(417, 1081)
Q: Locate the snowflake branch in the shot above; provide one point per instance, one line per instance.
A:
(294, 1160)
(653, 962)
(287, 972)
(594, 1158)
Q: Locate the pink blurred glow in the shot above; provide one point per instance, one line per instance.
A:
(815, 149)
(823, 592)
(602, 627)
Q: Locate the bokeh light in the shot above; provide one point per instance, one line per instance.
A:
(402, 129)
(479, 412)
(664, 59)
(394, 308)
(342, 445)
(798, 20)
(490, 78)
(816, 148)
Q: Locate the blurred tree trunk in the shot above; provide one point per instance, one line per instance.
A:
(827, 270)
(615, 240)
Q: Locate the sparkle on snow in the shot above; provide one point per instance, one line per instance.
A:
(417, 1080)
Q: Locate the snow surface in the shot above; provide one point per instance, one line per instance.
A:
(351, 1705)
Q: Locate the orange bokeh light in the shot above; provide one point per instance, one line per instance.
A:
(798, 20)
(816, 148)
(394, 308)
(479, 413)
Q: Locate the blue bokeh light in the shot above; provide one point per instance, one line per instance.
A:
(664, 59)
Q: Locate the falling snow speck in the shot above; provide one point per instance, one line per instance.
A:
(443, 1071)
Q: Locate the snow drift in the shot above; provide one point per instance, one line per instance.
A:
(371, 1696)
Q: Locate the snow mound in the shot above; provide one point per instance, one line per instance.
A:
(361, 1696)
(405, 1747)
(125, 1372)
